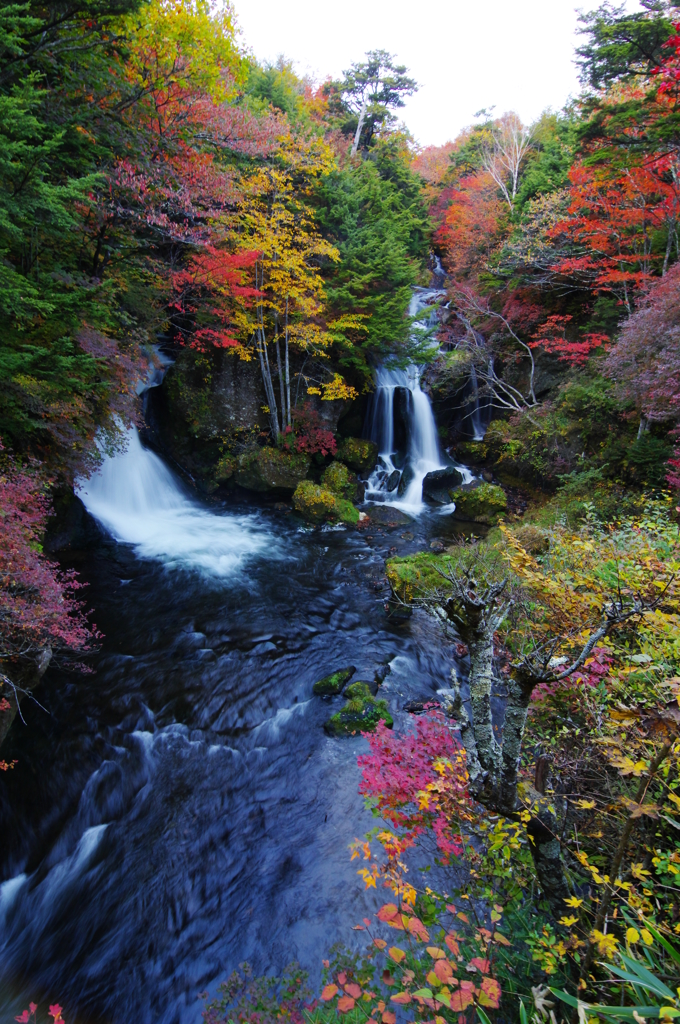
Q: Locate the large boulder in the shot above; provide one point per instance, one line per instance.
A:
(317, 504)
(338, 479)
(438, 483)
(271, 469)
(359, 454)
(485, 504)
(361, 713)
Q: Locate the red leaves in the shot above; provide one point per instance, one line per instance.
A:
(481, 964)
(37, 600)
(400, 769)
(552, 338)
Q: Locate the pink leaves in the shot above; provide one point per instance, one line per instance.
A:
(401, 770)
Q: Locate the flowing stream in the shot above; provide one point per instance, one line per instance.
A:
(181, 809)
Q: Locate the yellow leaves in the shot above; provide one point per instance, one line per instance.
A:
(606, 944)
(568, 921)
(436, 953)
(632, 936)
(370, 877)
(647, 937)
(396, 954)
(639, 872)
(626, 765)
(586, 805)
(574, 901)
(336, 389)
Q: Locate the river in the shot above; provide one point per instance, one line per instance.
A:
(181, 809)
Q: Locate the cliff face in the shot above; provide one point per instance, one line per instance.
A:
(211, 407)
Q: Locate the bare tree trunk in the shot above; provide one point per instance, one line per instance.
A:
(280, 371)
(357, 134)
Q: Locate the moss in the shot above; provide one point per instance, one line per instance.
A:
(484, 504)
(361, 713)
(269, 469)
(358, 454)
(338, 479)
(317, 504)
(332, 685)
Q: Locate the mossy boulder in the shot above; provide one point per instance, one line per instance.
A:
(485, 504)
(271, 469)
(332, 685)
(316, 504)
(359, 454)
(339, 480)
(473, 452)
(361, 713)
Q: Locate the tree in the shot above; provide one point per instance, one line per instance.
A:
(505, 144)
(40, 614)
(373, 214)
(367, 95)
(622, 45)
(278, 224)
(595, 586)
(645, 361)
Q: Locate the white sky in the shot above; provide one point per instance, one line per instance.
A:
(465, 54)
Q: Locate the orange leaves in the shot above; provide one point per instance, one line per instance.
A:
(389, 913)
(402, 998)
(329, 992)
(481, 964)
(345, 1004)
(452, 942)
(396, 954)
(436, 953)
(490, 993)
(416, 928)
(444, 971)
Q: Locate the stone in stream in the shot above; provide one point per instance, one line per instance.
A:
(361, 713)
(392, 480)
(438, 483)
(385, 515)
(406, 477)
(333, 684)
(421, 705)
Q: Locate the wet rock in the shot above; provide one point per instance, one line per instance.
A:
(436, 485)
(361, 713)
(359, 454)
(487, 475)
(421, 705)
(271, 470)
(385, 515)
(392, 480)
(406, 478)
(485, 504)
(317, 505)
(437, 545)
(381, 674)
(339, 480)
(332, 685)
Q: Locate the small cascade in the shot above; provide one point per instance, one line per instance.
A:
(140, 502)
(398, 477)
(478, 429)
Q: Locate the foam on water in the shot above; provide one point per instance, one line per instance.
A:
(140, 502)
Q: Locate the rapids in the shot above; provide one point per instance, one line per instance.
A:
(181, 809)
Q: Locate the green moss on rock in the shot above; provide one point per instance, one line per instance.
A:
(358, 454)
(332, 685)
(338, 479)
(485, 504)
(269, 469)
(361, 713)
(318, 505)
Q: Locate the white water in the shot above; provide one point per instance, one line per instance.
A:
(140, 502)
(424, 454)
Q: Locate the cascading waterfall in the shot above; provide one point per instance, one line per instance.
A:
(403, 486)
(140, 502)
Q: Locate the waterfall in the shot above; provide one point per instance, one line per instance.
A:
(403, 486)
(136, 498)
(476, 414)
